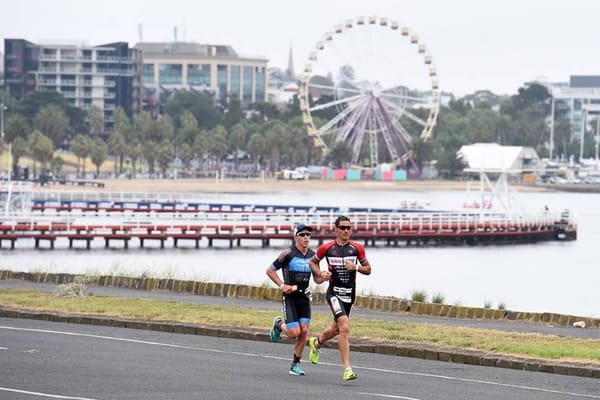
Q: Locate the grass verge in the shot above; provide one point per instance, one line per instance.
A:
(528, 345)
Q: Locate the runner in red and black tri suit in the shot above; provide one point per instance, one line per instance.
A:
(344, 259)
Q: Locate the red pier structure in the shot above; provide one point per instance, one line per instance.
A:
(240, 228)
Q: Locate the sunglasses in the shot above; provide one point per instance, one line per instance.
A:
(344, 227)
(304, 234)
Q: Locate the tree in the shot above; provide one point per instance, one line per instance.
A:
(237, 138)
(562, 137)
(96, 118)
(164, 157)
(98, 154)
(186, 154)
(265, 111)
(19, 149)
(81, 147)
(135, 151)
(200, 146)
(201, 105)
(57, 165)
(275, 131)
(52, 121)
(118, 148)
(234, 113)
(340, 154)
(15, 126)
(41, 148)
(217, 143)
(257, 146)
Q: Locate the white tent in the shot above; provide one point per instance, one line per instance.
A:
(492, 157)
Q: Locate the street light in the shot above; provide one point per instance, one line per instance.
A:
(2, 109)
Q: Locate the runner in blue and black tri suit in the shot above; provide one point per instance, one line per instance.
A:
(294, 264)
(344, 259)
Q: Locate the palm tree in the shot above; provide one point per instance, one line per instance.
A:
(52, 121)
(237, 137)
(81, 147)
(96, 118)
(42, 149)
(274, 135)
(98, 154)
(118, 148)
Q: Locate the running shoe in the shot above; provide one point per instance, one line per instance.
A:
(275, 333)
(296, 370)
(314, 353)
(349, 374)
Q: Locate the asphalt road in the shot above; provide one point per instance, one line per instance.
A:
(41, 359)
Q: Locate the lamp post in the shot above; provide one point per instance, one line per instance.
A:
(2, 109)
(551, 150)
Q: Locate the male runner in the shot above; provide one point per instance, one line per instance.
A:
(344, 259)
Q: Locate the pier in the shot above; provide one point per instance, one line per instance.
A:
(240, 228)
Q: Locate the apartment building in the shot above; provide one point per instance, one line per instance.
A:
(579, 100)
(216, 69)
(107, 76)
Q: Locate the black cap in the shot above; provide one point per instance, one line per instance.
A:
(301, 227)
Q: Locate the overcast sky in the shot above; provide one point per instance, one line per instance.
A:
(475, 44)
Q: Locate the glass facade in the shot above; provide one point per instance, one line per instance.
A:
(170, 74)
(247, 88)
(259, 82)
(148, 77)
(198, 74)
(222, 82)
(235, 81)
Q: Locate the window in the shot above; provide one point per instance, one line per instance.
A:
(235, 81)
(259, 83)
(248, 79)
(170, 74)
(198, 74)
(222, 82)
(148, 73)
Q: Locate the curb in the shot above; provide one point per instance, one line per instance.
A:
(386, 348)
(376, 303)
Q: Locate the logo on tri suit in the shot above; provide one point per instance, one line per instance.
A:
(336, 307)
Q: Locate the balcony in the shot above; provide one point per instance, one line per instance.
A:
(107, 71)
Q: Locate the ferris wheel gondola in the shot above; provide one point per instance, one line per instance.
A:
(370, 83)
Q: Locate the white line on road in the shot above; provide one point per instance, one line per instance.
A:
(176, 346)
(3, 348)
(52, 396)
(388, 396)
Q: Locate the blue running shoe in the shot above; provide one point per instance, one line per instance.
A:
(275, 333)
(296, 370)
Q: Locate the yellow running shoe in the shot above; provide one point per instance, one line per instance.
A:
(349, 374)
(314, 353)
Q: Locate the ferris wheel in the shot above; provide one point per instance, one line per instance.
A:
(371, 84)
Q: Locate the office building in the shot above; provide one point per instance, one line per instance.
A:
(215, 69)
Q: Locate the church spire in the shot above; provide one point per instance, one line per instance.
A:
(290, 69)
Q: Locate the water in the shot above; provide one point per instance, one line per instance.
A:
(560, 277)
